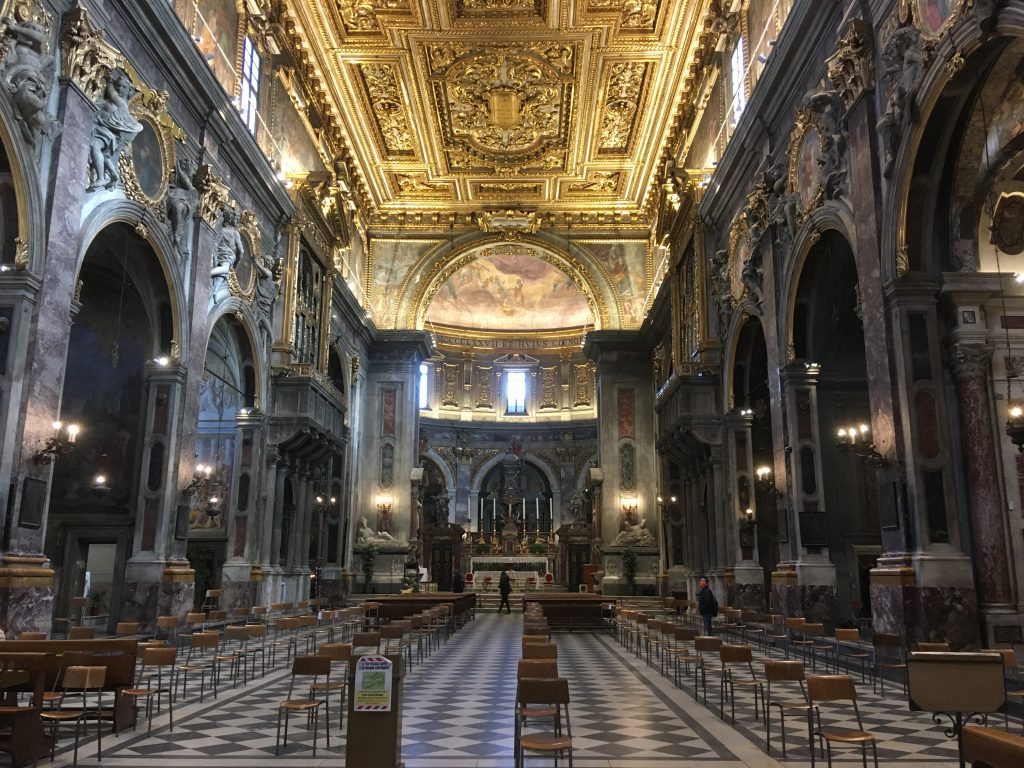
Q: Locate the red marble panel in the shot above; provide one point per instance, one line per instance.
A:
(387, 412)
(149, 524)
(161, 411)
(241, 525)
(741, 451)
(927, 424)
(627, 406)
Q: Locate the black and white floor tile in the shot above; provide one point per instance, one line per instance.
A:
(457, 714)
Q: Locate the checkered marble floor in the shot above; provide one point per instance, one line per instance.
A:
(457, 714)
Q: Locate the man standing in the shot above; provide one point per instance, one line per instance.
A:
(505, 588)
(707, 606)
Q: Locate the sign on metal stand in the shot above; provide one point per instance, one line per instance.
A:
(373, 684)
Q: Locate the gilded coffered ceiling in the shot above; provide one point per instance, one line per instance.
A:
(469, 105)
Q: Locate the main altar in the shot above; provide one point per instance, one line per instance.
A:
(520, 568)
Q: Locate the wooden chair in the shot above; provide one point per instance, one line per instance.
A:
(78, 681)
(849, 646)
(127, 628)
(932, 647)
(549, 582)
(792, 624)
(166, 627)
(82, 633)
(533, 692)
(200, 659)
(838, 688)
(888, 646)
(540, 669)
(706, 647)
(340, 654)
(734, 657)
(234, 652)
(156, 683)
(680, 653)
(365, 642)
(540, 651)
(22, 672)
(784, 674)
(32, 636)
(315, 667)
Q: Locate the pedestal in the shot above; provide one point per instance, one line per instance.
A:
(646, 580)
(238, 590)
(748, 587)
(26, 595)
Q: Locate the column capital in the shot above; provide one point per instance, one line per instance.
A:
(969, 361)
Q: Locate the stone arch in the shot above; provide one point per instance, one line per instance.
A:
(236, 310)
(437, 264)
(28, 193)
(133, 214)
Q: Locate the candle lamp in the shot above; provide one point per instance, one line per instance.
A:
(1015, 424)
(765, 480)
(200, 479)
(62, 441)
(857, 440)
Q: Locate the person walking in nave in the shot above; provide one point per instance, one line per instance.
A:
(707, 605)
(505, 588)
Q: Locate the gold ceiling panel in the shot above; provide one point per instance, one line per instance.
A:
(458, 106)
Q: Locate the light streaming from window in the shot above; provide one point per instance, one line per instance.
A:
(515, 392)
(738, 77)
(249, 95)
(424, 390)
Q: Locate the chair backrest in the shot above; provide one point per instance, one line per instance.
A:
(84, 678)
(195, 617)
(933, 647)
(311, 665)
(736, 654)
(127, 628)
(366, 639)
(32, 636)
(542, 691)
(831, 688)
(684, 634)
(535, 639)
(236, 634)
(795, 622)
(1009, 658)
(844, 635)
(156, 656)
(813, 630)
(82, 633)
(391, 632)
(541, 668)
(540, 651)
(886, 640)
(707, 643)
(992, 748)
(256, 631)
(778, 670)
(336, 651)
(549, 578)
(202, 641)
(166, 622)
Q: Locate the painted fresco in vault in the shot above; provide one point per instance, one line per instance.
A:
(392, 260)
(512, 290)
(625, 264)
(216, 35)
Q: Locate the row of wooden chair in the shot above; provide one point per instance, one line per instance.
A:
(541, 694)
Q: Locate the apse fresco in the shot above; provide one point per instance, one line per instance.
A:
(509, 290)
(625, 264)
(392, 260)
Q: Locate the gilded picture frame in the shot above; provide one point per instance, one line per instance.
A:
(243, 276)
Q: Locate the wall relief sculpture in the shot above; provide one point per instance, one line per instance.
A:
(230, 246)
(29, 69)
(114, 128)
(903, 65)
(268, 287)
(851, 68)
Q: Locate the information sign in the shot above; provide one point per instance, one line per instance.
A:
(373, 684)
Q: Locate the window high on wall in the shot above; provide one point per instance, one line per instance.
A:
(249, 93)
(738, 80)
(515, 391)
(424, 388)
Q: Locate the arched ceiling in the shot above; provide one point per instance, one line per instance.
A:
(464, 106)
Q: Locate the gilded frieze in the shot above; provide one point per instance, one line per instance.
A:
(597, 183)
(634, 15)
(362, 15)
(490, 9)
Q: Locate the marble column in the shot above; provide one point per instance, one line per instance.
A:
(984, 495)
(747, 574)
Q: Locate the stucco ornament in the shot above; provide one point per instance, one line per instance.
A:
(28, 75)
(268, 288)
(180, 203)
(903, 62)
(230, 248)
(113, 129)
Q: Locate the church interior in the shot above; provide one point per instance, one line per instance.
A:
(322, 319)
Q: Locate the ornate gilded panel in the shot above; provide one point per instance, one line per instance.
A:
(450, 391)
(548, 388)
(500, 9)
(380, 79)
(483, 386)
(624, 87)
(243, 276)
(581, 375)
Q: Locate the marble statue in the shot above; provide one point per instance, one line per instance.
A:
(267, 290)
(902, 70)
(181, 202)
(369, 536)
(753, 277)
(635, 535)
(230, 247)
(578, 508)
(113, 129)
(827, 103)
(28, 77)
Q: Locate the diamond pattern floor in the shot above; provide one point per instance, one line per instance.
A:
(457, 715)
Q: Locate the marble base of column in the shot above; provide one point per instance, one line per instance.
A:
(749, 587)
(926, 597)
(817, 589)
(268, 589)
(26, 594)
(679, 577)
(332, 586)
(727, 597)
(785, 594)
(238, 590)
(140, 594)
(177, 588)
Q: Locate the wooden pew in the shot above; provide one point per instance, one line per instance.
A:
(992, 748)
(117, 655)
(22, 734)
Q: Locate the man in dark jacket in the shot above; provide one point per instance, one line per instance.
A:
(458, 583)
(707, 606)
(505, 588)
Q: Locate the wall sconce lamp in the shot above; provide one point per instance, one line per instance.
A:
(661, 499)
(213, 506)
(203, 472)
(1015, 424)
(58, 444)
(324, 503)
(384, 504)
(858, 440)
(99, 485)
(749, 516)
(766, 481)
(630, 507)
